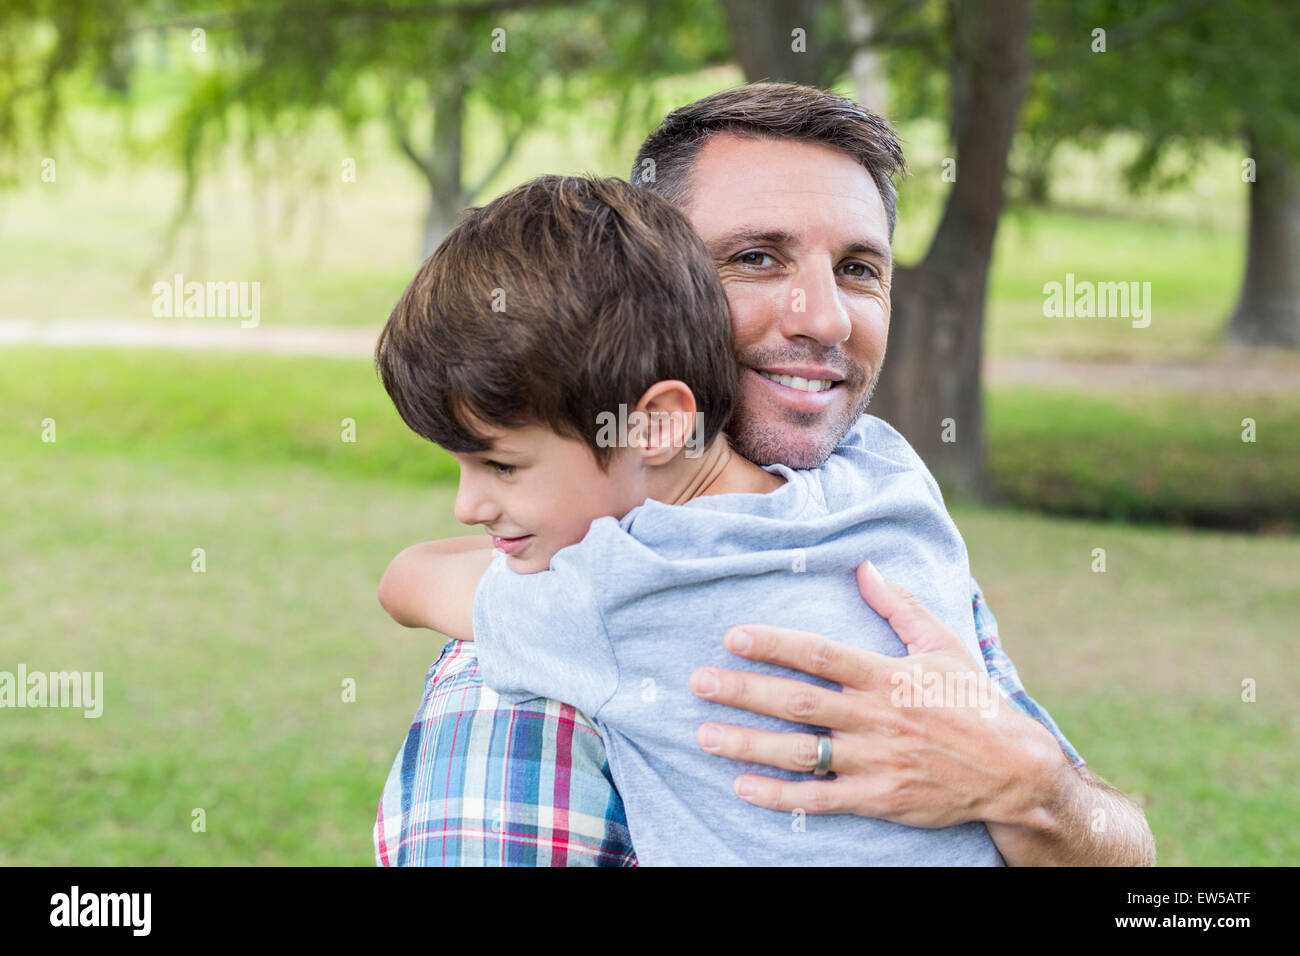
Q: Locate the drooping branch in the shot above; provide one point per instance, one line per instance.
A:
(320, 11)
(513, 137)
(400, 130)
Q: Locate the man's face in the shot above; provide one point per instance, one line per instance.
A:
(800, 238)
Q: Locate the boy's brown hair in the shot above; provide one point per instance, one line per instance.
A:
(557, 301)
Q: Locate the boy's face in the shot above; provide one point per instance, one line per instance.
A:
(537, 492)
(800, 238)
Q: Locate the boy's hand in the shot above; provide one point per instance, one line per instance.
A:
(432, 584)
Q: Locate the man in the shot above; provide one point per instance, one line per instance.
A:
(791, 190)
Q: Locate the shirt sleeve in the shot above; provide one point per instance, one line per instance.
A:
(542, 635)
(482, 782)
(1003, 672)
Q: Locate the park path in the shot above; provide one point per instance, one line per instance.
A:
(191, 336)
(1227, 372)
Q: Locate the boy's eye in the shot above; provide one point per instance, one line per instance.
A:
(503, 471)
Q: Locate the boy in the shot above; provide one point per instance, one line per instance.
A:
(547, 321)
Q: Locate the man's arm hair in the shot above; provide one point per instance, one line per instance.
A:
(432, 584)
(1088, 822)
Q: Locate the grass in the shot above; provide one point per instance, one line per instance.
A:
(1193, 274)
(1139, 454)
(249, 409)
(223, 689)
(1142, 667)
(325, 251)
(1147, 455)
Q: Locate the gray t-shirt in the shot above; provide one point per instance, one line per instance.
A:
(619, 622)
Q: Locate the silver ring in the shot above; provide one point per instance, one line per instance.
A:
(823, 755)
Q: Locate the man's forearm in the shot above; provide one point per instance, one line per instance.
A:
(1081, 820)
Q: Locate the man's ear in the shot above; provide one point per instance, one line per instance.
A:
(661, 424)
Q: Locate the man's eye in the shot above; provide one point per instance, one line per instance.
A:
(745, 257)
(868, 271)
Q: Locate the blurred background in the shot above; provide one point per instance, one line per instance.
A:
(199, 501)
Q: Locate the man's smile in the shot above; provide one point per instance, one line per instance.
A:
(804, 379)
(813, 391)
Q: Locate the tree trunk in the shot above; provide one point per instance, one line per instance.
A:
(447, 197)
(930, 387)
(865, 67)
(1268, 310)
(761, 39)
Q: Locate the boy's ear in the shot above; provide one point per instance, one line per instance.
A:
(661, 424)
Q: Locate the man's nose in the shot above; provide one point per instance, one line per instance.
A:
(816, 309)
(473, 504)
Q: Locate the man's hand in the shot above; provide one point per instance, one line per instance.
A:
(911, 743)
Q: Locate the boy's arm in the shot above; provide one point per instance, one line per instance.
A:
(432, 584)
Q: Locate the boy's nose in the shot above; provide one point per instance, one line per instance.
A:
(472, 505)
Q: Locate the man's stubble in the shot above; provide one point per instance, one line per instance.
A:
(766, 443)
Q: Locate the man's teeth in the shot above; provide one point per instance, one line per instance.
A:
(803, 384)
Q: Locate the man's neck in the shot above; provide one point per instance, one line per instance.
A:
(718, 471)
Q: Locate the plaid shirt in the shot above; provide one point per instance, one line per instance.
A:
(483, 783)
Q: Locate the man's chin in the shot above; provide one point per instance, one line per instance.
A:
(767, 433)
(786, 444)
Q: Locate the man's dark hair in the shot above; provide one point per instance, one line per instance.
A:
(771, 111)
(557, 301)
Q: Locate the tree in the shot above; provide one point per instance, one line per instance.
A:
(1186, 74)
(41, 42)
(1176, 71)
(269, 67)
(930, 386)
(766, 42)
(1268, 310)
